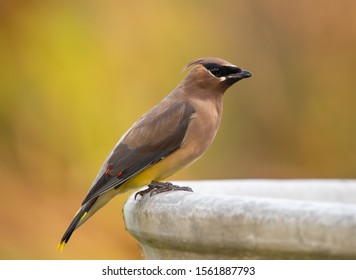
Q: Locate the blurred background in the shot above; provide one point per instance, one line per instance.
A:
(74, 76)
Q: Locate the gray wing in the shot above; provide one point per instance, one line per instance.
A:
(154, 136)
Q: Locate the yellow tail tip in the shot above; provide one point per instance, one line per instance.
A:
(61, 246)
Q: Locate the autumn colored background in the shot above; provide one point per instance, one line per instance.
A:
(74, 75)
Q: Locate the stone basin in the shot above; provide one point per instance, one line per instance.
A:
(247, 219)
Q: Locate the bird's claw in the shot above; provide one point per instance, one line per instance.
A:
(160, 187)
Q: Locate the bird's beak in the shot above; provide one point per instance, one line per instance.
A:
(241, 75)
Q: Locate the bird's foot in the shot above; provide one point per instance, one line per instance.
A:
(159, 187)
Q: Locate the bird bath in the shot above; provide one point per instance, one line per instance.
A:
(247, 219)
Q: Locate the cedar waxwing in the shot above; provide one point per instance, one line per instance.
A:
(169, 137)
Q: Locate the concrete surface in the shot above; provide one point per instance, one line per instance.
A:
(247, 219)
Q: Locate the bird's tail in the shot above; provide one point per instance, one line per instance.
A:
(77, 221)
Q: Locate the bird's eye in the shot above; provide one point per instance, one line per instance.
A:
(215, 71)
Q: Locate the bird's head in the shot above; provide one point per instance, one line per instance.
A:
(214, 73)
